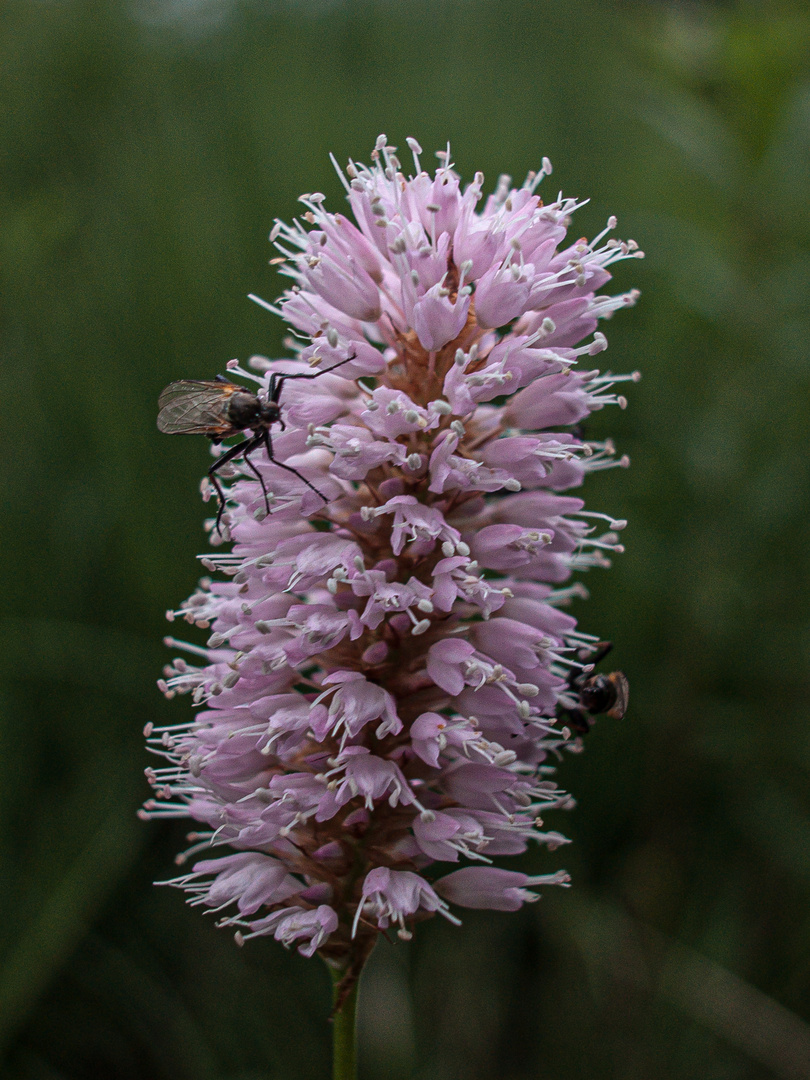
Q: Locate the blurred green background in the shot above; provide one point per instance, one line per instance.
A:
(146, 149)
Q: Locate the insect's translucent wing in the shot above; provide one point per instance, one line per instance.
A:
(195, 407)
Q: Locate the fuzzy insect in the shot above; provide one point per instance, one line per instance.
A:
(595, 693)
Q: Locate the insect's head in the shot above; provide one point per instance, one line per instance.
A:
(270, 412)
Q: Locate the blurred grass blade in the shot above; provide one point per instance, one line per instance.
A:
(622, 948)
(64, 917)
(703, 140)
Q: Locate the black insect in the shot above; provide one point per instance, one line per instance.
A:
(221, 409)
(595, 693)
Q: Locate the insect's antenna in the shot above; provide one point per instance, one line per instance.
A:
(320, 371)
(601, 649)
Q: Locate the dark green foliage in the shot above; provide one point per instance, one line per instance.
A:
(145, 150)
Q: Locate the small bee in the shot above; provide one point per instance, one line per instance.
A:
(221, 409)
(596, 693)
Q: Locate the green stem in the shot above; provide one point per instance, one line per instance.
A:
(344, 1033)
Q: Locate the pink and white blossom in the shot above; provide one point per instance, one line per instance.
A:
(383, 674)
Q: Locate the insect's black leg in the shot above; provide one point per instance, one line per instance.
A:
(257, 440)
(268, 443)
(220, 500)
(275, 388)
(231, 453)
(578, 721)
(277, 382)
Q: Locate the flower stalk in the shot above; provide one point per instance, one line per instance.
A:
(344, 1028)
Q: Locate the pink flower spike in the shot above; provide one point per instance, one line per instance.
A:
(381, 654)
